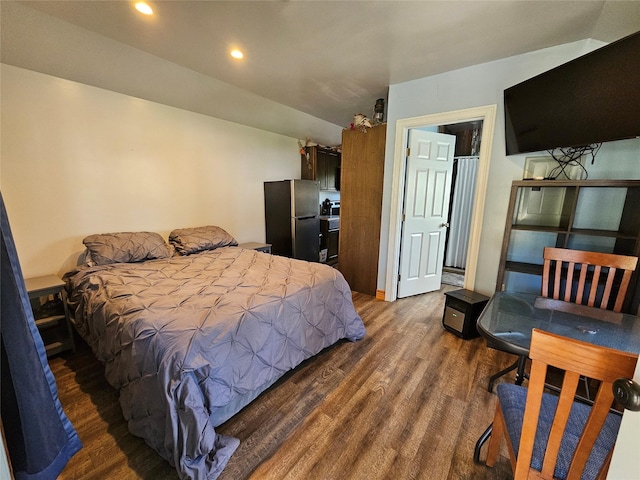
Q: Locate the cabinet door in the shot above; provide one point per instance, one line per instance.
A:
(361, 206)
(321, 165)
(321, 169)
(308, 164)
(328, 162)
(333, 172)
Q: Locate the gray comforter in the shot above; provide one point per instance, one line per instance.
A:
(188, 341)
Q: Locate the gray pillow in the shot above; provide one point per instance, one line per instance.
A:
(125, 247)
(197, 239)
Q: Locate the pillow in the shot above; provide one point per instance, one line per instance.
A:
(193, 240)
(125, 247)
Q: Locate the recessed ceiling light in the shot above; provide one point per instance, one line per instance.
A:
(237, 54)
(142, 7)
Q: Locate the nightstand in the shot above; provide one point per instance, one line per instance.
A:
(461, 311)
(261, 247)
(49, 305)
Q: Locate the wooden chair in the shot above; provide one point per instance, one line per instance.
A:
(566, 273)
(587, 278)
(555, 437)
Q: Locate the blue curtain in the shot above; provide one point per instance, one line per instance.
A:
(39, 436)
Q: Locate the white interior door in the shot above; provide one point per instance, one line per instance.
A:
(426, 211)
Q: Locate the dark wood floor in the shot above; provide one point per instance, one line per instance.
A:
(407, 402)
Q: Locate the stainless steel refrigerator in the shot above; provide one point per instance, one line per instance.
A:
(291, 210)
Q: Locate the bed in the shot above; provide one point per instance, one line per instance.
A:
(189, 337)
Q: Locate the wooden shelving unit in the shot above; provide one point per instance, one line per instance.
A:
(596, 215)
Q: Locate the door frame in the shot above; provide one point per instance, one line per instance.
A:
(485, 113)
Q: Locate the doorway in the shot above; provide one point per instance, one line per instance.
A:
(485, 114)
(463, 184)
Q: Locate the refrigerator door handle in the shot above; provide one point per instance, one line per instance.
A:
(306, 218)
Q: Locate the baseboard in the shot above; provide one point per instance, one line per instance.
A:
(379, 294)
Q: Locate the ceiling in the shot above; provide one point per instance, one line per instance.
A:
(326, 59)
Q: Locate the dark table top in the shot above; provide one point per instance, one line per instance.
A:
(507, 321)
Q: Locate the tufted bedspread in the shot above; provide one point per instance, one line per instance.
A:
(190, 340)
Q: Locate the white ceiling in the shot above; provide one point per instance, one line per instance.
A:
(328, 59)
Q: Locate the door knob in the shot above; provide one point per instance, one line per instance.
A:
(627, 393)
(445, 225)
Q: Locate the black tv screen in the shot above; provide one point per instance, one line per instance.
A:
(594, 98)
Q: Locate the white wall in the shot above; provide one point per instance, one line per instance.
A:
(77, 160)
(478, 86)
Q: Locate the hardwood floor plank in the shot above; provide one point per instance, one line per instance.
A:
(407, 402)
(303, 450)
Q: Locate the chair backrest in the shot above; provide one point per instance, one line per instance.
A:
(569, 271)
(576, 358)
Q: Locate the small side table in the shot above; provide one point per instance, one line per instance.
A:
(49, 305)
(461, 311)
(261, 247)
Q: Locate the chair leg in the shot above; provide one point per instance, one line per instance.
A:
(521, 364)
(501, 373)
(481, 441)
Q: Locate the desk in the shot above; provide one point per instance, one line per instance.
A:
(507, 321)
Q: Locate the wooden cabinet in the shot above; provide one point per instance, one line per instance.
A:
(322, 165)
(48, 302)
(361, 206)
(592, 215)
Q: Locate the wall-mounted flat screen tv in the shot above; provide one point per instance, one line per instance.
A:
(594, 98)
